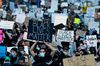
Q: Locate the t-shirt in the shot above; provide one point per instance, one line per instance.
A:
(41, 61)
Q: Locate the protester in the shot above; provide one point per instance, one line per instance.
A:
(46, 35)
(7, 62)
(13, 55)
(42, 56)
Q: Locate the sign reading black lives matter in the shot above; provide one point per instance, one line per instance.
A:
(40, 30)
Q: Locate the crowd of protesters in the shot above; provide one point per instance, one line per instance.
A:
(41, 53)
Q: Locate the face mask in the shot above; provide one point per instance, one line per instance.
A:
(37, 48)
(41, 54)
(13, 55)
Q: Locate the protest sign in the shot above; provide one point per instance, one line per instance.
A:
(59, 19)
(88, 19)
(67, 36)
(86, 60)
(54, 6)
(64, 4)
(20, 18)
(25, 49)
(91, 11)
(6, 24)
(9, 48)
(17, 11)
(91, 40)
(2, 51)
(40, 30)
(94, 2)
(43, 2)
(94, 25)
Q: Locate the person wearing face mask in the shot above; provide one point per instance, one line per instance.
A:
(13, 55)
(21, 52)
(42, 57)
(7, 61)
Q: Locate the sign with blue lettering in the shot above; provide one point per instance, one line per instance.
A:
(40, 30)
(2, 51)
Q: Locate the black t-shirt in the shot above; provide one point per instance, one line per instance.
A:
(42, 61)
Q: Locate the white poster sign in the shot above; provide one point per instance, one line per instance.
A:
(88, 19)
(91, 40)
(59, 19)
(67, 36)
(91, 11)
(94, 25)
(64, 4)
(94, 2)
(6, 24)
(9, 48)
(20, 18)
(54, 6)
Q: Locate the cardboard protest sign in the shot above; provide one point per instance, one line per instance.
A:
(86, 60)
(59, 19)
(67, 36)
(20, 18)
(91, 40)
(6, 24)
(2, 51)
(40, 30)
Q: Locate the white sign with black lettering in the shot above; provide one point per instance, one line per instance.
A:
(67, 36)
(91, 40)
(6, 24)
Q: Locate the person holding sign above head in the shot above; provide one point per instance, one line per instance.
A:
(41, 54)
